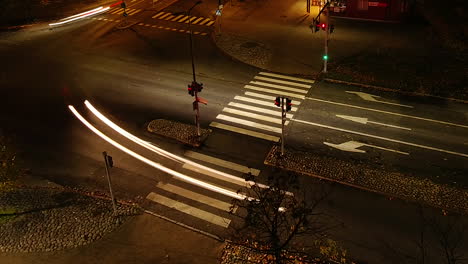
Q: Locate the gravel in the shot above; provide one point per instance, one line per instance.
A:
(178, 131)
(53, 219)
(361, 176)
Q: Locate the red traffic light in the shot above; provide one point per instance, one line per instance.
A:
(323, 26)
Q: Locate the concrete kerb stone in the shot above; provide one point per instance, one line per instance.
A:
(380, 88)
(391, 184)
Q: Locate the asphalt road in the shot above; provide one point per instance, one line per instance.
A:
(141, 73)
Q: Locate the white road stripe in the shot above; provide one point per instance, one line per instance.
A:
(158, 14)
(134, 12)
(204, 21)
(279, 87)
(198, 20)
(382, 138)
(240, 182)
(268, 97)
(282, 82)
(162, 17)
(195, 196)
(259, 109)
(190, 210)
(286, 77)
(260, 102)
(210, 23)
(223, 163)
(191, 20)
(245, 131)
(249, 123)
(169, 17)
(183, 19)
(274, 91)
(254, 116)
(385, 112)
(177, 18)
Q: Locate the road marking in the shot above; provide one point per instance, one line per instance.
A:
(169, 17)
(370, 97)
(141, 24)
(382, 138)
(210, 23)
(148, 25)
(245, 131)
(191, 20)
(385, 112)
(165, 15)
(198, 20)
(183, 19)
(223, 163)
(268, 97)
(134, 12)
(364, 121)
(195, 196)
(273, 91)
(188, 209)
(249, 123)
(260, 102)
(158, 14)
(259, 109)
(234, 180)
(204, 21)
(177, 18)
(282, 82)
(351, 146)
(286, 77)
(254, 116)
(279, 87)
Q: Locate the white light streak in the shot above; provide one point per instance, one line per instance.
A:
(165, 153)
(157, 165)
(82, 15)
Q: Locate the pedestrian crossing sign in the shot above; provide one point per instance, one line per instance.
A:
(218, 12)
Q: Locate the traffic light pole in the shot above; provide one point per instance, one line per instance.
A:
(283, 117)
(197, 108)
(327, 31)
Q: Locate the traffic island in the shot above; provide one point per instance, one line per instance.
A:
(364, 177)
(181, 132)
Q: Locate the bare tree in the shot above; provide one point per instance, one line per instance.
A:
(276, 216)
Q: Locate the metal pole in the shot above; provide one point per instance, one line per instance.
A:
(282, 125)
(110, 184)
(327, 32)
(197, 113)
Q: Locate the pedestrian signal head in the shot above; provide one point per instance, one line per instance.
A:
(277, 101)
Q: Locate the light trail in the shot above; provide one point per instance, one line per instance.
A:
(159, 166)
(165, 153)
(81, 15)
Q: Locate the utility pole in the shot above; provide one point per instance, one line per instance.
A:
(283, 119)
(109, 164)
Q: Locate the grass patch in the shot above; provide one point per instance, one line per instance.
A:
(6, 218)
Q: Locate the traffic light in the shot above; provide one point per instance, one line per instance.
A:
(332, 28)
(288, 104)
(123, 5)
(278, 101)
(317, 26)
(199, 87)
(191, 91)
(323, 26)
(325, 57)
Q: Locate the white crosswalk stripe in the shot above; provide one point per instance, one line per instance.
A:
(188, 201)
(258, 103)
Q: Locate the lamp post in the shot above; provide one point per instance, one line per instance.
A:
(197, 113)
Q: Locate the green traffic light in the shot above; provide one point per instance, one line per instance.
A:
(325, 57)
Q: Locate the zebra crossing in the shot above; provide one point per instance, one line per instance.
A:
(215, 207)
(254, 113)
(130, 11)
(201, 21)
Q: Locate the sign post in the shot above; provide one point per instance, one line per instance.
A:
(109, 164)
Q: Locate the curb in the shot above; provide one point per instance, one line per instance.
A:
(394, 90)
(186, 226)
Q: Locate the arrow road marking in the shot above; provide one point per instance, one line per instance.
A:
(382, 138)
(363, 120)
(351, 146)
(370, 97)
(389, 113)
